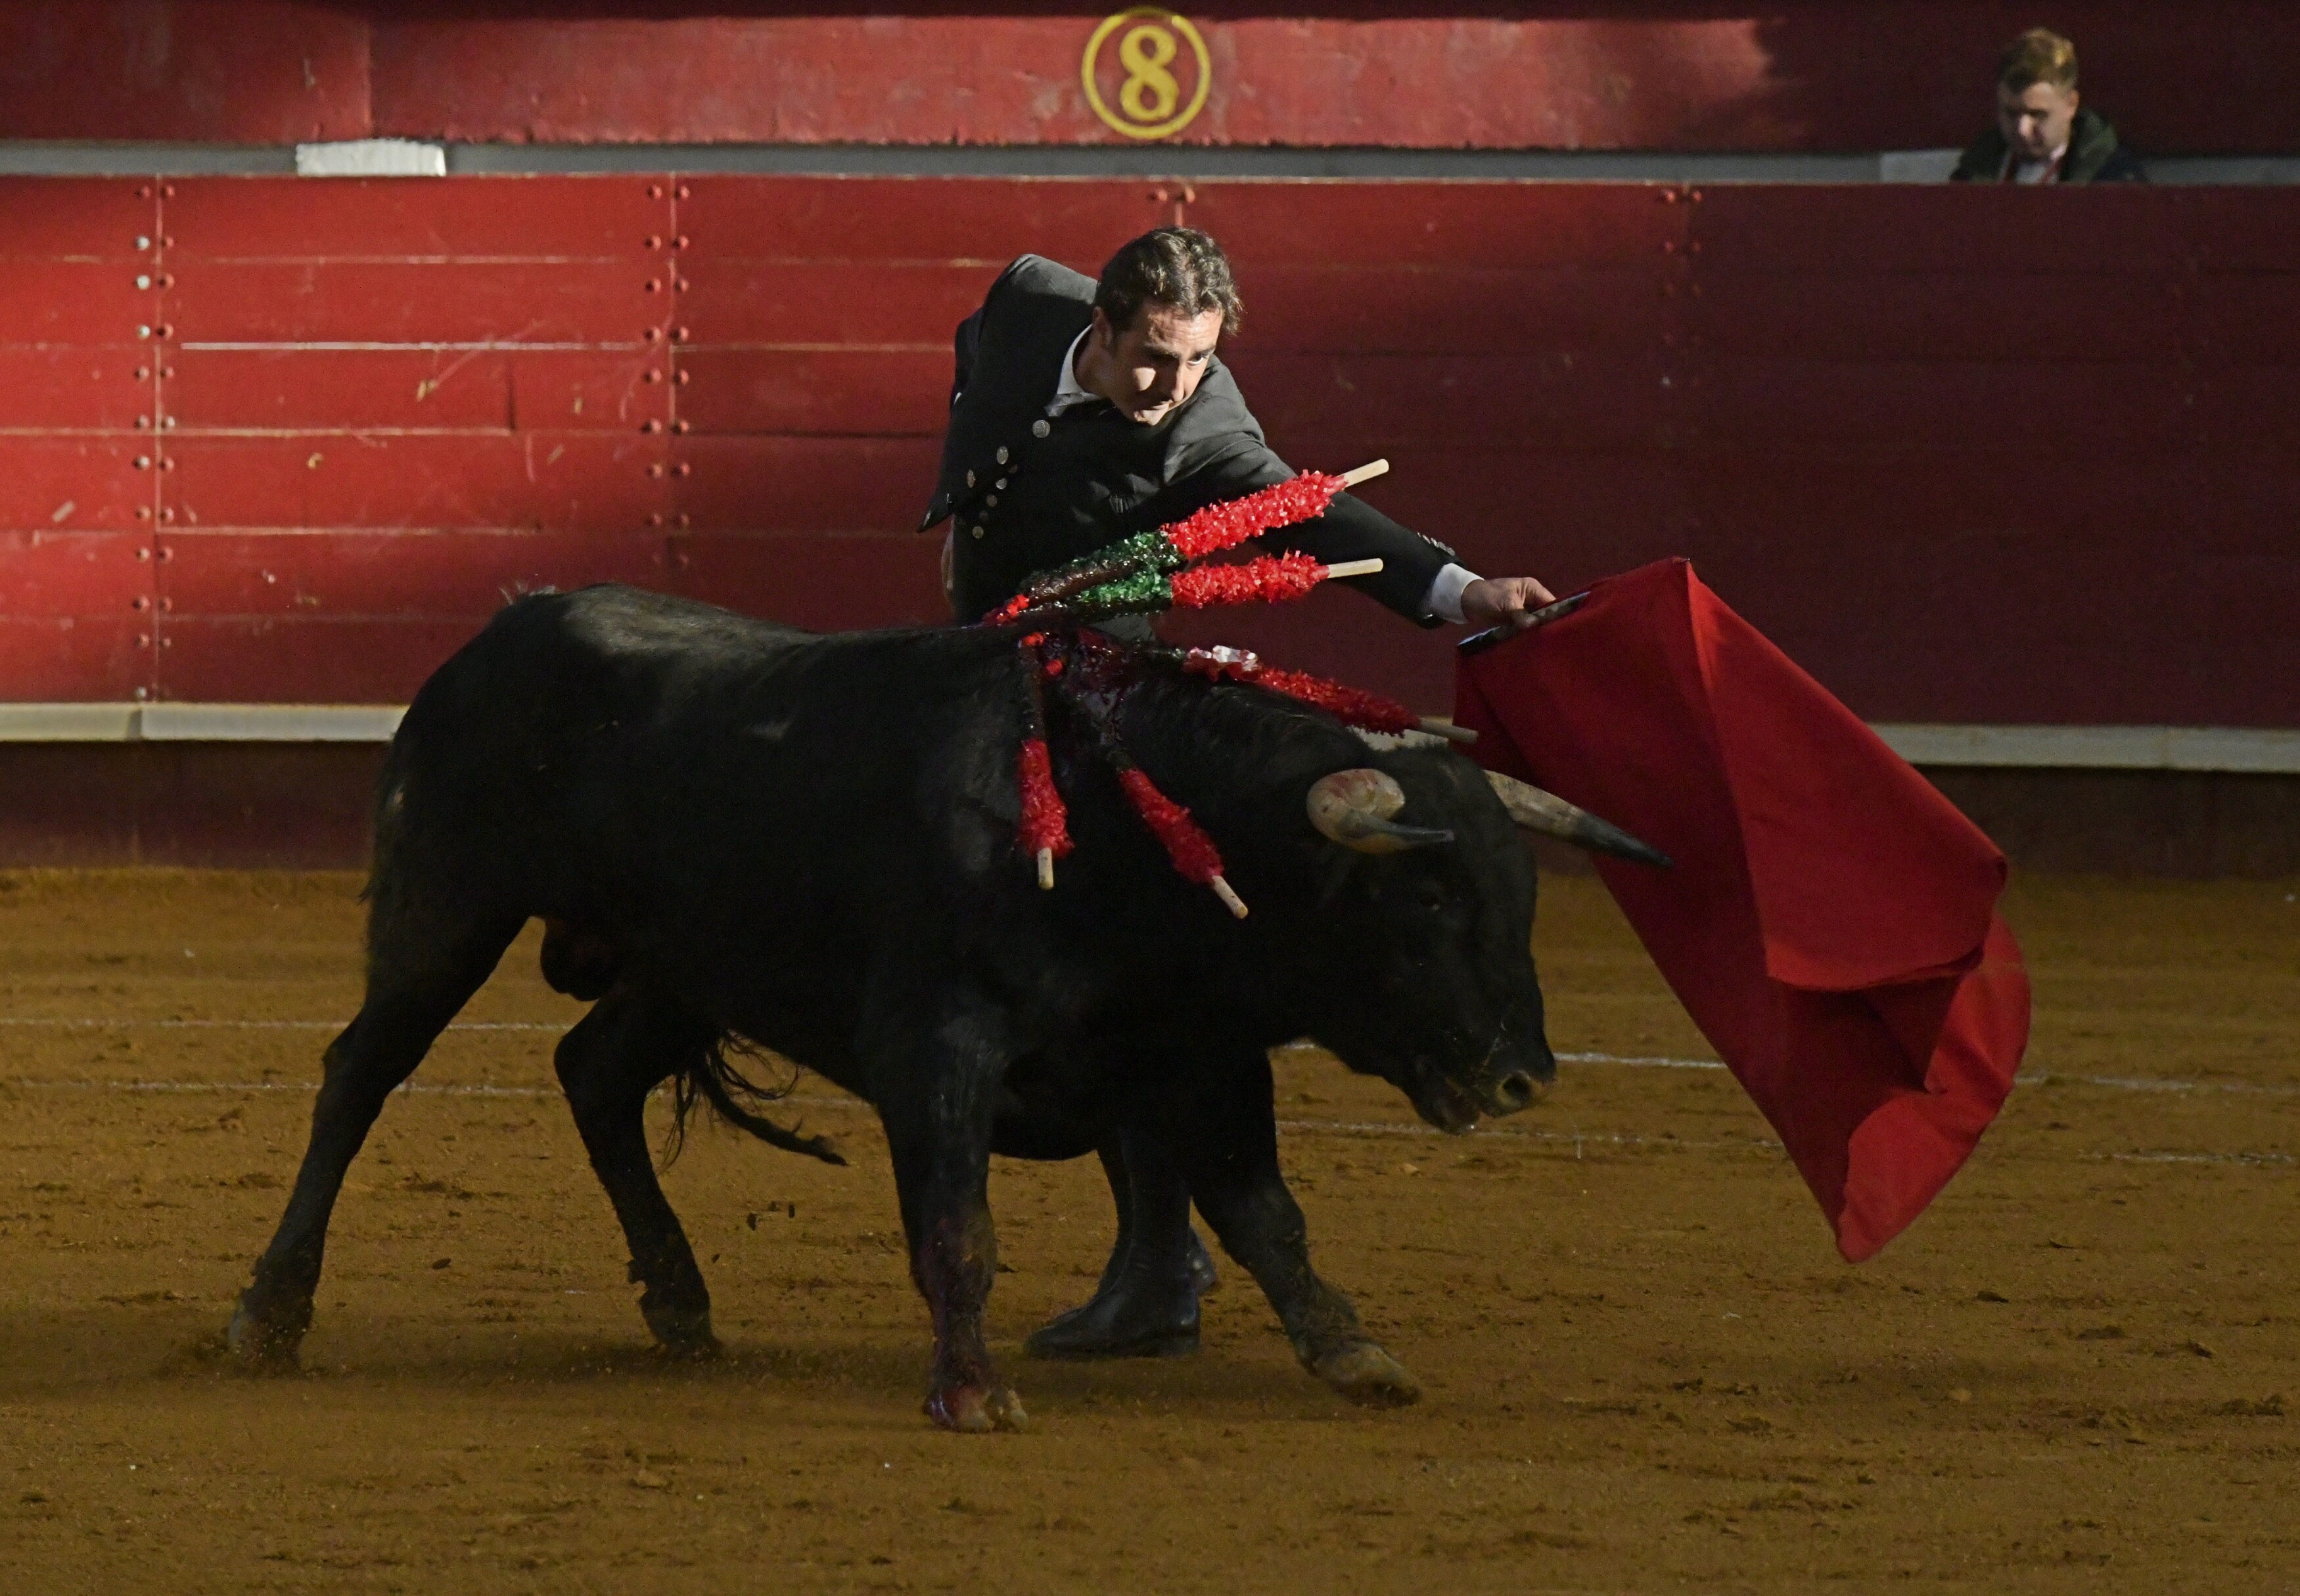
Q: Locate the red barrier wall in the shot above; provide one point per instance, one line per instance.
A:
(1969, 455)
(2200, 77)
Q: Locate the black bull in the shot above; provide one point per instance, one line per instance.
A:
(738, 831)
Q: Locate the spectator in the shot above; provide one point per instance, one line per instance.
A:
(2042, 135)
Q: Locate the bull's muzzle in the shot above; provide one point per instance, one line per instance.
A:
(1518, 1089)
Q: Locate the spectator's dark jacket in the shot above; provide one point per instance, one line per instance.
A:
(2095, 156)
(1029, 491)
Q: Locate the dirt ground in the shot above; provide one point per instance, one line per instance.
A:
(1645, 1366)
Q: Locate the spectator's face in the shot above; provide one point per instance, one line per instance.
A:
(1157, 364)
(2036, 120)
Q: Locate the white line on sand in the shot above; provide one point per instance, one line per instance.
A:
(2034, 1077)
(1577, 1139)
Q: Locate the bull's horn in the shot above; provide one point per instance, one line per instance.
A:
(1354, 808)
(1552, 816)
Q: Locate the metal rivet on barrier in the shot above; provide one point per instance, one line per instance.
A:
(685, 470)
(682, 426)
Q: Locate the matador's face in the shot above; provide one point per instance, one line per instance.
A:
(1147, 369)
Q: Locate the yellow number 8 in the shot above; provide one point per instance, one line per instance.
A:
(1148, 98)
(1150, 93)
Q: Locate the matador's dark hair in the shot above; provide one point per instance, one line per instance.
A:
(1174, 266)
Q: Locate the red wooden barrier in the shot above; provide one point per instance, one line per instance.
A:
(1971, 455)
(2198, 76)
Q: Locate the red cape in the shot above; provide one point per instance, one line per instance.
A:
(1830, 923)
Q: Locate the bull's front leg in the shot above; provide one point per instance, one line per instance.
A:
(935, 1091)
(1224, 1132)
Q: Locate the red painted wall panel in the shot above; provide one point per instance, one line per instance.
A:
(1958, 468)
(2196, 77)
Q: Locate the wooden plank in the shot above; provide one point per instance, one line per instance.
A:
(77, 302)
(2105, 230)
(2247, 318)
(980, 221)
(914, 304)
(804, 483)
(417, 301)
(850, 392)
(536, 219)
(1322, 310)
(87, 219)
(54, 659)
(1454, 226)
(56, 388)
(267, 659)
(823, 584)
(288, 387)
(76, 614)
(1941, 408)
(55, 483)
(534, 481)
(336, 576)
(1362, 405)
(1967, 313)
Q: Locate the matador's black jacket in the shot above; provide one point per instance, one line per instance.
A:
(1030, 491)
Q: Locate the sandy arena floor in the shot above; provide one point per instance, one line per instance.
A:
(1645, 1367)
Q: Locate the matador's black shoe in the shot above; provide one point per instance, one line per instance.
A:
(1147, 1305)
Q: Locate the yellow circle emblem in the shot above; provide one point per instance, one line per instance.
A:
(1151, 103)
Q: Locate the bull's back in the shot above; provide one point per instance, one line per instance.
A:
(612, 731)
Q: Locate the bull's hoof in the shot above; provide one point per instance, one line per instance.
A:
(1368, 1375)
(977, 1409)
(682, 1332)
(260, 1344)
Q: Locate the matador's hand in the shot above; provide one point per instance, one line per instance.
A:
(1498, 601)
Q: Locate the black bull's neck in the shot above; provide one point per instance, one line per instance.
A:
(789, 827)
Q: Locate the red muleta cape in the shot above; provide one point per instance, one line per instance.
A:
(1830, 923)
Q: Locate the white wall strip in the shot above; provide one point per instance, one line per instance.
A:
(198, 722)
(2236, 749)
(2240, 750)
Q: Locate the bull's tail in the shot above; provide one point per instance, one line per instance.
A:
(714, 1078)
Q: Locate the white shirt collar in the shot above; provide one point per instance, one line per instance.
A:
(1067, 389)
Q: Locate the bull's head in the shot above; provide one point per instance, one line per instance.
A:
(1429, 901)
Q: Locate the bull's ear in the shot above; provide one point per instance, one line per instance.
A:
(1552, 816)
(1354, 808)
